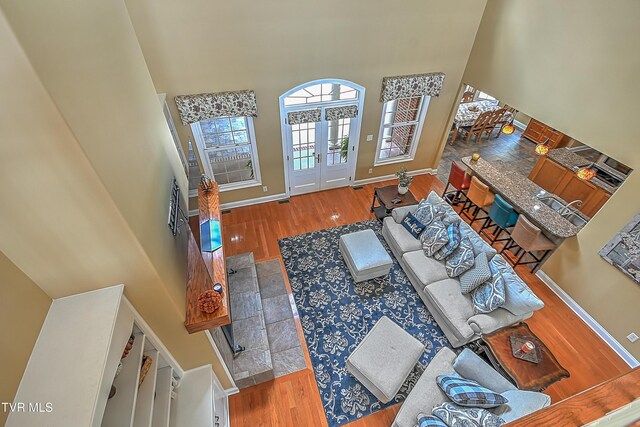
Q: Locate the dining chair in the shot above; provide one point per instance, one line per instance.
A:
(477, 128)
(529, 240)
(459, 179)
(495, 122)
(468, 96)
(479, 197)
(502, 217)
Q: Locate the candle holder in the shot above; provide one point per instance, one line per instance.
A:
(475, 157)
(524, 347)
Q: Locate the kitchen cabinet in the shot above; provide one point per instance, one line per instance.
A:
(563, 182)
(539, 132)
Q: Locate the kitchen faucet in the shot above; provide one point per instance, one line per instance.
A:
(566, 207)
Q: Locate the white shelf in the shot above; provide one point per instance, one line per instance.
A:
(193, 405)
(162, 403)
(144, 401)
(120, 408)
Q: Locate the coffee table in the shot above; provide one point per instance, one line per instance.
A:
(385, 195)
(525, 375)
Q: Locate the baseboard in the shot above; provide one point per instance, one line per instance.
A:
(255, 201)
(194, 212)
(519, 125)
(232, 390)
(586, 317)
(430, 171)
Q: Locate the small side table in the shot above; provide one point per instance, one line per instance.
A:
(525, 375)
(384, 195)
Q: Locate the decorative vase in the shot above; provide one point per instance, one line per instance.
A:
(206, 182)
(402, 190)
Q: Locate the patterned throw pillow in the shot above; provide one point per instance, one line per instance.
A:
(434, 237)
(491, 294)
(453, 231)
(466, 392)
(427, 212)
(476, 275)
(457, 416)
(461, 259)
(429, 421)
(412, 225)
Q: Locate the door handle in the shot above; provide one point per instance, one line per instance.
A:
(318, 157)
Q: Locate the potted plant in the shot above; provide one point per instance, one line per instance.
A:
(404, 180)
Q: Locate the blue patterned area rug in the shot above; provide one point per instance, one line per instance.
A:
(336, 313)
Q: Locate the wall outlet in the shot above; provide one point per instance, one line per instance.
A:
(369, 138)
(632, 337)
(370, 171)
(265, 189)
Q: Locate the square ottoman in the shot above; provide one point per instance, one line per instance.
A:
(364, 255)
(384, 359)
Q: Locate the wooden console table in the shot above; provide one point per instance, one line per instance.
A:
(204, 269)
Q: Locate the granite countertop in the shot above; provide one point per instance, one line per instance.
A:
(522, 194)
(573, 161)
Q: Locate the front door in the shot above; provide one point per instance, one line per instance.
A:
(321, 155)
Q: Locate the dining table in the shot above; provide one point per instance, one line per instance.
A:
(468, 112)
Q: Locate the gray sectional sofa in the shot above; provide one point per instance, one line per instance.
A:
(442, 295)
(426, 394)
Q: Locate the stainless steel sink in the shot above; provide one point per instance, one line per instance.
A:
(575, 219)
(552, 203)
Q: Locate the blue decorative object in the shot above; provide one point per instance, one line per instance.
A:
(412, 225)
(337, 313)
(466, 392)
(453, 231)
(430, 421)
(210, 235)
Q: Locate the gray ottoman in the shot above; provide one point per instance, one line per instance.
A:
(364, 255)
(384, 359)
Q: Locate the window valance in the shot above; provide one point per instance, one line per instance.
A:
(194, 108)
(335, 113)
(304, 116)
(412, 85)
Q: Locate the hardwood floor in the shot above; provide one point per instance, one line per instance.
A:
(293, 400)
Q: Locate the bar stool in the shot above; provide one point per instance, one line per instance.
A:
(478, 197)
(458, 179)
(528, 238)
(502, 216)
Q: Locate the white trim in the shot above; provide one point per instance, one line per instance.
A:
(429, 171)
(255, 201)
(233, 389)
(193, 193)
(590, 321)
(284, 128)
(194, 212)
(519, 125)
(424, 106)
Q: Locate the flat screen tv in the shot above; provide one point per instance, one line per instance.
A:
(210, 236)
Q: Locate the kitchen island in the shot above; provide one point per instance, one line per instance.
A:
(522, 194)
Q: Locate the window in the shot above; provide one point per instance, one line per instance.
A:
(228, 151)
(322, 92)
(481, 96)
(400, 129)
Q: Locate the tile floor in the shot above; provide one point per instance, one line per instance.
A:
(512, 151)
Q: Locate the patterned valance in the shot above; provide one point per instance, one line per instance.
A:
(335, 113)
(413, 85)
(304, 116)
(194, 108)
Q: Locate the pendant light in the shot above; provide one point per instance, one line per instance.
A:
(585, 173)
(509, 128)
(542, 148)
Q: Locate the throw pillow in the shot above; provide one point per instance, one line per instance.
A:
(434, 237)
(427, 212)
(491, 294)
(429, 421)
(518, 298)
(461, 259)
(457, 416)
(453, 231)
(466, 392)
(412, 225)
(476, 275)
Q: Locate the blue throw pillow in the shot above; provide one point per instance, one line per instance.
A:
(434, 237)
(491, 294)
(466, 392)
(427, 212)
(453, 231)
(429, 421)
(412, 225)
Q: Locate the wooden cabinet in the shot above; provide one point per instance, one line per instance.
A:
(547, 173)
(538, 132)
(563, 182)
